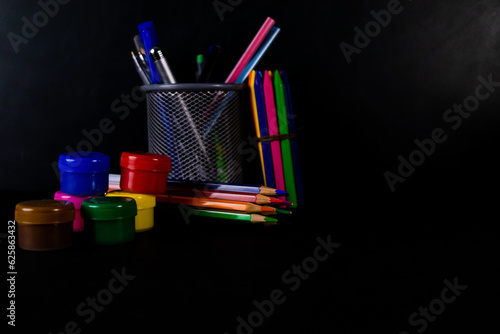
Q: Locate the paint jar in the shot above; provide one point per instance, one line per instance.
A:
(144, 173)
(45, 224)
(84, 173)
(144, 220)
(77, 202)
(109, 220)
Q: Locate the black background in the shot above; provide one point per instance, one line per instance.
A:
(354, 120)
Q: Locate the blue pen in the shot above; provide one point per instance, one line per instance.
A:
(149, 39)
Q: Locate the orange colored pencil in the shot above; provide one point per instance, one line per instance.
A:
(215, 203)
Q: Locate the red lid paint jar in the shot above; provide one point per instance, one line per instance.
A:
(77, 202)
(109, 220)
(45, 224)
(145, 173)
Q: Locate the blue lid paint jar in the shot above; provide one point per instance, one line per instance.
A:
(84, 173)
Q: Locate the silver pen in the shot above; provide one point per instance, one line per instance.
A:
(161, 65)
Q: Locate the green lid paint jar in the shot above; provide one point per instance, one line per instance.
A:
(110, 220)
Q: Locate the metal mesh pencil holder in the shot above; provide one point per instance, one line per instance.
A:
(199, 127)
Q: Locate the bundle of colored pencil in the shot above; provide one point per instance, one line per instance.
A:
(249, 203)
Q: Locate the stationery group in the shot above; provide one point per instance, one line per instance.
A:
(270, 101)
(112, 208)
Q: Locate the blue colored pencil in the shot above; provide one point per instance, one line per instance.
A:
(231, 187)
(266, 43)
(256, 58)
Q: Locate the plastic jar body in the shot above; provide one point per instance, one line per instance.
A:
(109, 220)
(144, 220)
(145, 173)
(78, 225)
(45, 224)
(84, 173)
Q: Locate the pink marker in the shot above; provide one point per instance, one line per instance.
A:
(250, 51)
(272, 123)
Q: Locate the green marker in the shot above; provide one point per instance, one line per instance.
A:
(200, 62)
(286, 149)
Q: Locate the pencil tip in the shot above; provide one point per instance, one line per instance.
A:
(267, 209)
(283, 212)
(270, 220)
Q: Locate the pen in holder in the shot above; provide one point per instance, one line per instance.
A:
(178, 112)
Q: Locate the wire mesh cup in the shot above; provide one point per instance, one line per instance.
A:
(199, 126)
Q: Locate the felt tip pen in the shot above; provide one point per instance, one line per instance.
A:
(200, 61)
(149, 39)
(214, 54)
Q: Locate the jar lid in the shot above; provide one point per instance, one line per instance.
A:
(84, 162)
(109, 208)
(143, 201)
(44, 211)
(76, 200)
(146, 161)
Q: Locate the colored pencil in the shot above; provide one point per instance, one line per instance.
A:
(231, 187)
(251, 218)
(273, 131)
(252, 198)
(286, 149)
(216, 204)
(114, 179)
(253, 103)
(293, 141)
(258, 56)
(277, 212)
(250, 51)
(264, 130)
(219, 101)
